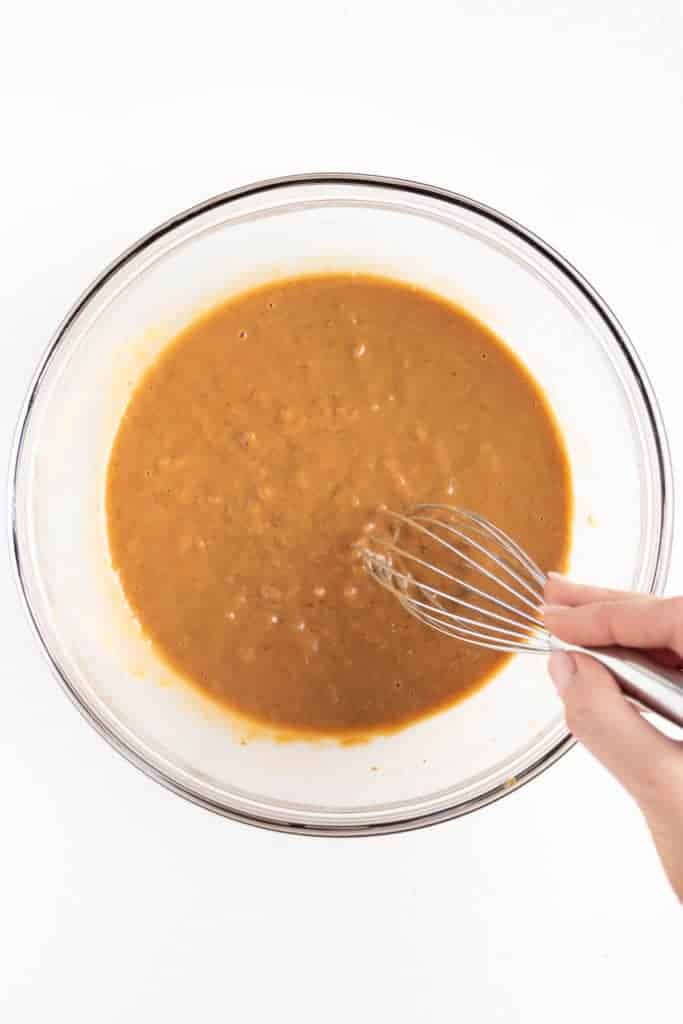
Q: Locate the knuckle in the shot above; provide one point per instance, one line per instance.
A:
(605, 620)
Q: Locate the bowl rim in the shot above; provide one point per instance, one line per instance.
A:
(657, 435)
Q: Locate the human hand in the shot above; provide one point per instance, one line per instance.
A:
(647, 763)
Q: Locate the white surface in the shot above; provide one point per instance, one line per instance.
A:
(120, 902)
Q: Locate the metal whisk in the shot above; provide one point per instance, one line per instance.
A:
(461, 575)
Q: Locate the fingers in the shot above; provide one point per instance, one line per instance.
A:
(645, 622)
(560, 590)
(597, 713)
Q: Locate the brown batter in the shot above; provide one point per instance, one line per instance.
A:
(254, 453)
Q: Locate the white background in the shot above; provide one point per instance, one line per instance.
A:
(120, 902)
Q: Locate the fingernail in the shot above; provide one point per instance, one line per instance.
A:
(545, 608)
(562, 668)
(557, 576)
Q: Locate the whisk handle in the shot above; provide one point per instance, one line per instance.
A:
(657, 688)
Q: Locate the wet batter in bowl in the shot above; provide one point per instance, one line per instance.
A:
(253, 454)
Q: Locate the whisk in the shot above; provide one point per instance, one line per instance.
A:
(461, 575)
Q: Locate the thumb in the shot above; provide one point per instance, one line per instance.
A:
(598, 714)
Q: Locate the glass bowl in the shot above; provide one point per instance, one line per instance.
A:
(458, 760)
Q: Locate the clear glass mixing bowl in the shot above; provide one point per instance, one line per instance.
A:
(458, 760)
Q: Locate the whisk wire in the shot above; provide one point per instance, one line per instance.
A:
(482, 639)
(512, 622)
(488, 554)
(406, 581)
(488, 529)
(458, 619)
(465, 584)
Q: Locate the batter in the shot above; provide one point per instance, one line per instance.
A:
(254, 453)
